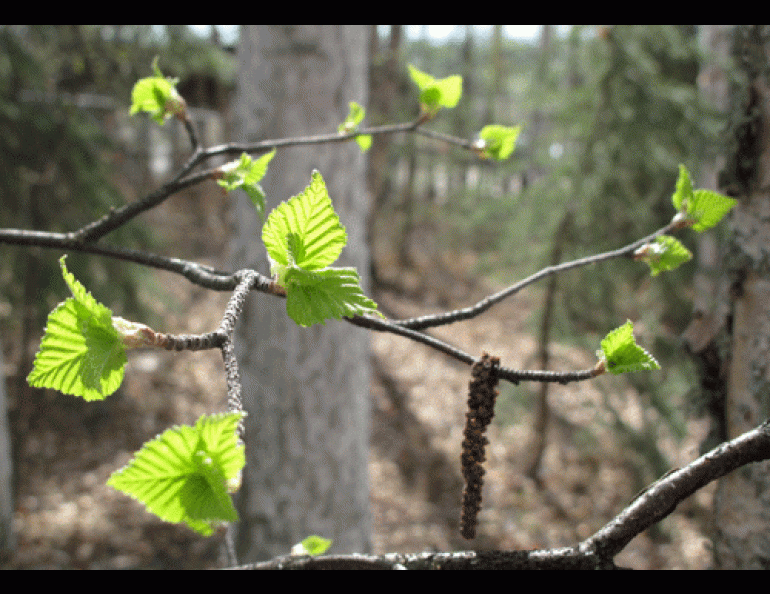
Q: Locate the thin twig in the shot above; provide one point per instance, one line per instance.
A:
(510, 375)
(198, 274)
(486, 304)
(119, 217)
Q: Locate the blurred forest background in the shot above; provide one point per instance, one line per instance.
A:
(608, 114)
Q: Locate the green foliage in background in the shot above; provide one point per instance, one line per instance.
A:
(55, 172)
(638, 116)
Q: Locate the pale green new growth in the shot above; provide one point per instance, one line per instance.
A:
(246, 174)
(437, 93)
(622, 355)
(702, 209)
(158, 97)
(499, 142)
(186, 475)
(81, 353)
(312, 546)
(304, 238)
(330, 294)
(318, 235)
(350, 125)
(664, 254)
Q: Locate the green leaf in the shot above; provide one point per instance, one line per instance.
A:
(303, 238)
(313, 546)
(708, 208)
(354, 119)
(623, 355)
(317, 233)
(364, 142)
(702, 209)
(158, 97)
(81, 353)
(666, 253)
(246, 174)
(499, 141)
(437, 93)
(684, 190)
(185, 476)
(331, 294)
(350, 125)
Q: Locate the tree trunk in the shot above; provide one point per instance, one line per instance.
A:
(742, 505)
(7, 540)
(306, 390)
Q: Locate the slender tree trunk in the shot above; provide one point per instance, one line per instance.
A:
(385, 98)
(306, 390)
(496, 89)
(742, 505)
(7, 539)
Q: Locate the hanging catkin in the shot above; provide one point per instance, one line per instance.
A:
(481, 405)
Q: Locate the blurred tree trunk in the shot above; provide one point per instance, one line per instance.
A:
(386, 91)
(742, 504)
(496, 88)
(541, 119)
(306, 390)
(7, 540)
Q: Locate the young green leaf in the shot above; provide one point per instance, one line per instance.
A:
(708, 209)
(499, 142)
(246, 174)
(623, 355)
(185, 475)
(158, 97)
(664, 254)
(684, 190)
(314, 226)
(303, 238)
(364, 142)
(702, 209)
(331, 294)
(313, 546)
(437, 93)
(81, 353)
(350, 125)
(354, 119)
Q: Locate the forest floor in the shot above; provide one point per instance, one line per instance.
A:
(68, 518)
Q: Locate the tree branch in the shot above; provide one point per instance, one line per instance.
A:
(198, 274)
(661, 499)
(119, 217)
(563, 559)
(224, 281)
(85, 240)
(485, 305)
(597, 552)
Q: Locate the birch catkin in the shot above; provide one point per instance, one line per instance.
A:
(481, 405)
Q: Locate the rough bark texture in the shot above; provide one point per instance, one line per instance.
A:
(742, 535)
(306, 390)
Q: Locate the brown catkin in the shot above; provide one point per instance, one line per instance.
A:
(481, 411)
